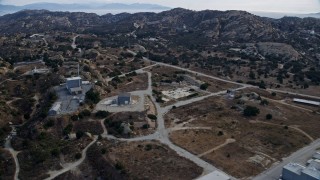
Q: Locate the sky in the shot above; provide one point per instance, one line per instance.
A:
(284, 6)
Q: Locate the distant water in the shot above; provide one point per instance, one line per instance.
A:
(118, 11)
(277, 15)
(131, 11)
(101, 12)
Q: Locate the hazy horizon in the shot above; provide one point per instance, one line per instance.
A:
(271, 6)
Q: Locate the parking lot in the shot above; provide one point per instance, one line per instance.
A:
(70, 103)
(137, 104)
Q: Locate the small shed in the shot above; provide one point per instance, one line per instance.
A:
(124, 99)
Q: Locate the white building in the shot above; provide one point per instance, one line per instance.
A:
(74, 85)
(303, 101)
(55, 109)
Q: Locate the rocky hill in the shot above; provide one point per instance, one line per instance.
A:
(182, 27)
(228, 25)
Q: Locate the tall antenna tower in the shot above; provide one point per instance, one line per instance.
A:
(78, 70)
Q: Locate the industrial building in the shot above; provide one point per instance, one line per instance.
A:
(55, 109)
(74, 85)
(308, 102)
(124, 99)
(294, 171)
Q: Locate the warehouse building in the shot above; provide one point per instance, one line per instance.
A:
(74, 85)
(55, 109)
(124, 99)
(294, 171)
(308, 102)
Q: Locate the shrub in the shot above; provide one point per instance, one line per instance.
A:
(79, 134)
(152, 116)
(26, 116)
(148, 147)
(49, 124)
(93, 96)
(268, 116)
(67, 130)
(55, 152)
(273, 94)
(78, 156)
(119, 166)
(103, 151)
(74, 117)
(145, 126)
(264, 102)
(85, 112)
(102, 114)
(220, 133)
(204, 86)
(251, 111)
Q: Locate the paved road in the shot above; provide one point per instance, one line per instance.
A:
(14, 153)
(73, 45)
(138, 107)
(293, 93)
(191, 71)
(139, 71)
(300, 156)
(228, 141)
(224, 80)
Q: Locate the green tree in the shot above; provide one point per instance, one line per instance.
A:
(78, 156)
(79, 134)
(152, 116)
(102, 114)
(93, 96)
(204, 86)
(251, 111)
(252, 75)
(269, 116)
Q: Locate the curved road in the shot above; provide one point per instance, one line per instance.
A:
(163, 136)
(69, 166)
(14, 153)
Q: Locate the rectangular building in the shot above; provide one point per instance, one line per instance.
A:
(74, 85)
(124, 99)
(55, 109)
(292, 171)
(308, 102)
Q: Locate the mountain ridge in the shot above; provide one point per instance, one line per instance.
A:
(6, 9)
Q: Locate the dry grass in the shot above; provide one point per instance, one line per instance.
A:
(270, 139)
(7, 165)
(152, 160)
(215, 85)
(197, 141)
(139, 82)
(233, 160)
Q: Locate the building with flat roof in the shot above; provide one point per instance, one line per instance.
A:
(304, 101)
(124, 99)
(316, 156)
(55, 109)
(294, 171)
(74, 85)
(310, 173)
